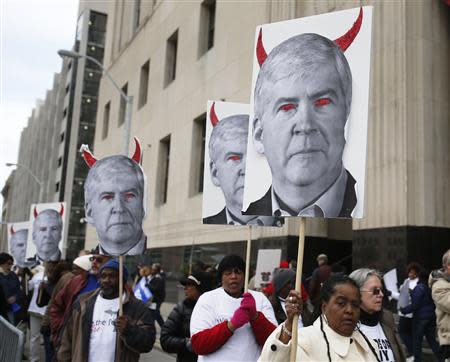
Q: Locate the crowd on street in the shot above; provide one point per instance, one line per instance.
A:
(73, 311)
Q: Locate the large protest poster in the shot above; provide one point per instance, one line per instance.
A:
(47, 225)
(308, 116)
(268, 260)
(17, 242)
(224, 167)
(115, 195)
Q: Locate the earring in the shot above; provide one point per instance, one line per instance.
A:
(357, 327)
(325, 318)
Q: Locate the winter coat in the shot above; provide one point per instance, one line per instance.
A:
(440, 289)
(175, 334)
(138, 337)
(157, 286)
(422, 305)
(390, 331)
(312, 346)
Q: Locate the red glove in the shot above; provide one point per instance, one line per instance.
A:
(248, 305)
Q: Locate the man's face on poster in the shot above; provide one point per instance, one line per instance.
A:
(301, 131)
(18, 242)
(47, 231)
(228, 170)
(116, 210)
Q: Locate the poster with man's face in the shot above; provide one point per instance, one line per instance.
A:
(224, 172)
(308, 116)
(17, 242)
(45, 238)
(114, 194)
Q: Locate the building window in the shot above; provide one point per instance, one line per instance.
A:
(143, 84)
(59, 163)
(64, 112)
(57, 187)
(123, 105)
(207, 26)
(106, 113)
(171, 58)
(61, 138)
(198, 155)
(137, 14)
(163, 169)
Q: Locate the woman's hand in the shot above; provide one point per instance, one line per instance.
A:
(294, 306)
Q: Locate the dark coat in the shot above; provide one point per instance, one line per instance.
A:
(157, 286)
(280, 315)
(138, 337)
(422, 305)
(220, 218)
(175, 333)
(263, 206)
(390, 330)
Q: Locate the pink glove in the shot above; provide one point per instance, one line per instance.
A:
(248, 305)
(239, 318)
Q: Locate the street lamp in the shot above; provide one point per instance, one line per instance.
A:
(39, 182)
(128, 99)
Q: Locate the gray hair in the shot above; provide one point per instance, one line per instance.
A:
(299, 55)
(229, 128)
(446, 258)
(361, 275)
(108, 167)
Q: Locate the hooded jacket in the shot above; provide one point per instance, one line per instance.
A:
(138, 337)
(439, 283)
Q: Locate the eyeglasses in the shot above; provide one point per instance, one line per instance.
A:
(98, 259)
(374, 291)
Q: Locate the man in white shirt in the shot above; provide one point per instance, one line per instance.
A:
(94, 326)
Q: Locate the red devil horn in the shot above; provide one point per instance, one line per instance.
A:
(35, 212)
(260, 51)
(347, 39)
(213, 115)
(88, 156)
(137, 151)
(61, 210)
(12, 230)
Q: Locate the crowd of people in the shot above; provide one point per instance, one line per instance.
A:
(71, 311)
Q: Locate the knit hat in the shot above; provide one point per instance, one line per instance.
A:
(281, 276)
(114, 264)
(84, 262)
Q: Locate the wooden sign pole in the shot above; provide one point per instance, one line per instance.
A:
(120, 284)
(298, 280)
(247, 258)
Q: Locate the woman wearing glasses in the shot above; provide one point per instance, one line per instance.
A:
(375, 322)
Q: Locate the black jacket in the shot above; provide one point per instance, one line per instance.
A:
(175, 333)
(220, 218)
(157, 286)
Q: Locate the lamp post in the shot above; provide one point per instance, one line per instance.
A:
(39, 182)
(128, 99)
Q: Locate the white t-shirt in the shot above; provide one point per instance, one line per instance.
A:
(217, 306)
(102, 345)
(376, 334)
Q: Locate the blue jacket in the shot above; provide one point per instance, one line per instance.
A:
(422, 305)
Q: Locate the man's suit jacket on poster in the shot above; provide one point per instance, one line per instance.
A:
(263, 206)
(223, 219)
(220, 218)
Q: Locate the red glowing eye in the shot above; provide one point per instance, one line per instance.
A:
(235, 158)
(107, 197)
(129, 195)
(322, 102)
(287, 107)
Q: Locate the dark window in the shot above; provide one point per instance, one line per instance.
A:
(65, 113)
(59, 162)
(123, 105)
(143, 84)
(171, 58)
(137, 14)
(97, 28)
(67, 88)
(61, 138)
(106, 113)
(207, 26)
(57, 187)
(163, 169)
(198, 154)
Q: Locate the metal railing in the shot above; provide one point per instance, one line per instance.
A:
(11, 342)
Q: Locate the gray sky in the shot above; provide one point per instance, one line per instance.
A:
(31, 31)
